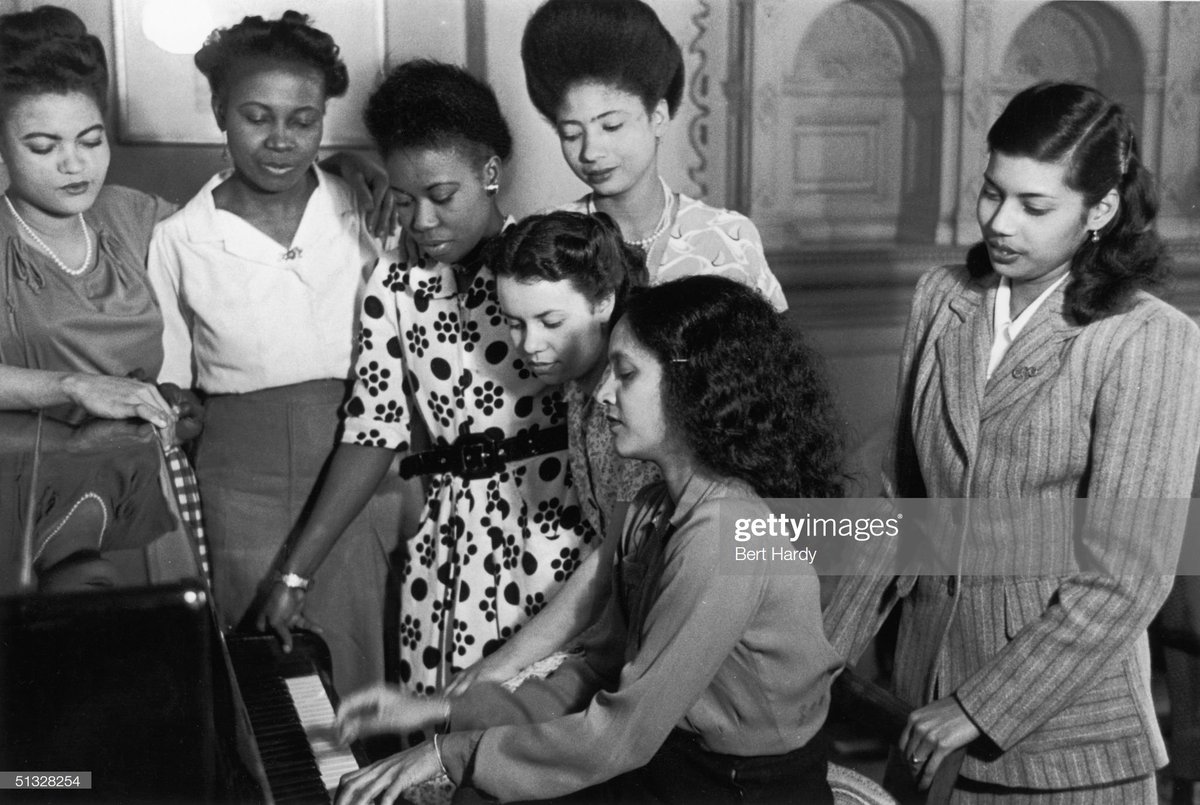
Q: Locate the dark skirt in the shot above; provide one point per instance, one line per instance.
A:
(260, 462)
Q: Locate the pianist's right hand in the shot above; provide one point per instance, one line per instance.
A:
(384, 781)
(386, 708)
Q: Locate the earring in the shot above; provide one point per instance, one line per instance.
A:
(1095, 236)
(492, 188)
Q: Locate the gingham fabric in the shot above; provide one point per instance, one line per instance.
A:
(187, 495)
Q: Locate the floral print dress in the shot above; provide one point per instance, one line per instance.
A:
(490, 552)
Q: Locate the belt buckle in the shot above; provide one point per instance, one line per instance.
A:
(480, 458)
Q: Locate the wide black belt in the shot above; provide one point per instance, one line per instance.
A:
(475, 456)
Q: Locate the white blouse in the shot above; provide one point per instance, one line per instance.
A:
(242, 312)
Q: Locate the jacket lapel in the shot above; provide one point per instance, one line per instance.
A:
(962, 351)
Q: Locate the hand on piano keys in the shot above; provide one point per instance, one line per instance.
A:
(313, 708)
(388, 709)
(290, 707)
(384, 782)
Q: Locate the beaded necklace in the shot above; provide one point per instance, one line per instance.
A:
(664, 220)
(74, 272)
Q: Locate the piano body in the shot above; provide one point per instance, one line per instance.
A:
(115, 665)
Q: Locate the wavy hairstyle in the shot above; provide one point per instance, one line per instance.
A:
(432, 105)
(585, 250)
(49, 50)
(1079, 127)
(289, 39)
(742, 388)
(617, 42)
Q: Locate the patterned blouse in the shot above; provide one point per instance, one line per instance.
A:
(490, 552)
(707, 240)
(602, 477)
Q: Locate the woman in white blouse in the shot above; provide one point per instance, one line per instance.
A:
(260, 276)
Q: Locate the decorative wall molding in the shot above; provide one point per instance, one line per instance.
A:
(698, 92)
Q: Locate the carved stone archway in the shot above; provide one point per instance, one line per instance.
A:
(1075, 40)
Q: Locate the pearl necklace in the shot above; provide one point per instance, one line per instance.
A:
(74, 272)
(664, 220)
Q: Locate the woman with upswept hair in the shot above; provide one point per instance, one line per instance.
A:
(609, 77)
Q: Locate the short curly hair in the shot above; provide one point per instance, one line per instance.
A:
(585, 250)
(621, 43)
(433, 105)
(49, 50)
(1080, 127)
(744, 391)
(289, 39)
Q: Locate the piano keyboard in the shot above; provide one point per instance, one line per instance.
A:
(291, 715)
(316, 717)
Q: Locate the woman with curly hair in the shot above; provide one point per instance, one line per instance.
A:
(609, 76)
(500, 518)
(259, 277)
(1041, 373)
(702, 683)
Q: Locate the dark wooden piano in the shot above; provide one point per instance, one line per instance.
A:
(110, 658)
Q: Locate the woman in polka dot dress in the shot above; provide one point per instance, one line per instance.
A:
(501, 528)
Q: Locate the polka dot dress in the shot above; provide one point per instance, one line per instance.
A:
(490, 552)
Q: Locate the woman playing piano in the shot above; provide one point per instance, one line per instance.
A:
(702, 683)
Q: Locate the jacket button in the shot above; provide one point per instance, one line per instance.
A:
(951, 586)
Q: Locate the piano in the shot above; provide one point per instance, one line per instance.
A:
(290, 706)
(113, 663)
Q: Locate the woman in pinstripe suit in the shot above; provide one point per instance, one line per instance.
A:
(1042, 371)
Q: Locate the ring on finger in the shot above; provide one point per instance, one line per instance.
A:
(914, 760)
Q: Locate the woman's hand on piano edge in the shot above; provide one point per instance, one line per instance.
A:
(284, 611)
(383, 782)
(385, 708)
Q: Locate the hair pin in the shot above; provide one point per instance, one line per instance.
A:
(678, 360)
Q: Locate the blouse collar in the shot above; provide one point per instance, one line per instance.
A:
(206, 223)
(442, 280)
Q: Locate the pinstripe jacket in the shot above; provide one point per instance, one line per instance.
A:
(1054, 669)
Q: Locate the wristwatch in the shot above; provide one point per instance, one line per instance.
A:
(294, 581)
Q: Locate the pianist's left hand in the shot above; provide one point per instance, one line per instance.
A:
(385, 708)
(386, 780)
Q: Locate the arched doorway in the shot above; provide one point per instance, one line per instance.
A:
(855, 155)
(1071, 40)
